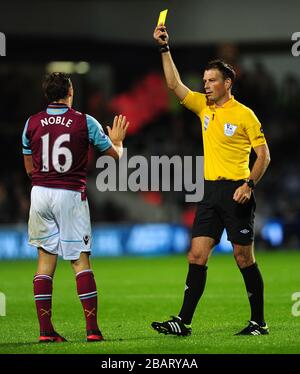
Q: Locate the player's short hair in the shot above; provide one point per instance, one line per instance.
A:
(226, 70)
(56, 86)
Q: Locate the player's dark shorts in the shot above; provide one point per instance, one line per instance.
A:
(218, 210)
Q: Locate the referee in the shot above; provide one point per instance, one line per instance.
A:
(229, 131)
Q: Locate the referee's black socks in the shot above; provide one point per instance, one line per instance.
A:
(255, 289)
(195, 284)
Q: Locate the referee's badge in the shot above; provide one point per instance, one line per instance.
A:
(229, 129)
(206, 122)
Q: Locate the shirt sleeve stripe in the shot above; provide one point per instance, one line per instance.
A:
(96, 135)
(25, 140)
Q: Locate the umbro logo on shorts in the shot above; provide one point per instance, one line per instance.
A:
(86, 239)
(244, 231)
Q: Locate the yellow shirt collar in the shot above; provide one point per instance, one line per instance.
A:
(229, 103)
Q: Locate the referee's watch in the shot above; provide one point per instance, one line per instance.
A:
(250, 183)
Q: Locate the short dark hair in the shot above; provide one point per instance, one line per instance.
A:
(56, 86)
(226, 69)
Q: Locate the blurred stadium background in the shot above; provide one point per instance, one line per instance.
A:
(108, 49)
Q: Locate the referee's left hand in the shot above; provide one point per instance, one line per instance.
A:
(242, 194)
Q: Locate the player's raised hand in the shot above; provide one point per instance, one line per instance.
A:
(160, 34)
(118, 131)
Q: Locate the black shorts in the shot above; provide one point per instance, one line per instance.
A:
(218, 210)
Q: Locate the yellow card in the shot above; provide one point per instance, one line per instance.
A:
(162, 17)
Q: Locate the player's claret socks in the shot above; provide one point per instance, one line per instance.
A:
(42, 289)
(87, 292)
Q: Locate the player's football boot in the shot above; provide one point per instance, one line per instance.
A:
(53, 337)
(254, 329)
(174, 326)
(94, 336)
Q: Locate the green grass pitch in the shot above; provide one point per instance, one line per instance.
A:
(133, 292)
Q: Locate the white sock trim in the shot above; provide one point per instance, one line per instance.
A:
(84, 271)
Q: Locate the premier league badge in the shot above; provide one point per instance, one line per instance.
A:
(229, 129)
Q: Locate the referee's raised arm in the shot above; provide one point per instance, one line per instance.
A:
(171, 73)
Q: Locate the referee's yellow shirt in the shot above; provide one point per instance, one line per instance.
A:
(228, 133)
